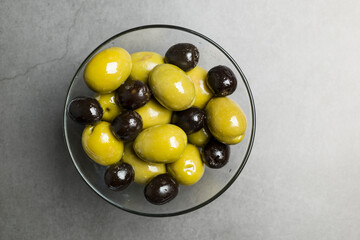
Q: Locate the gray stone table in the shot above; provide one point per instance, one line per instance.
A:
(302, 61)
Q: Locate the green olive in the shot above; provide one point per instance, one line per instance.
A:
(108, 69)
(203, 92)
(199, 138)
(109, 106)
(144, 171)
(161, 143)
(225, 120)
(172, 87)
(143, 63)
(153, 113)
(101, 145)
(189, 168)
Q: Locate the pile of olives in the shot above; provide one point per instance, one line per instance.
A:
(156, 120)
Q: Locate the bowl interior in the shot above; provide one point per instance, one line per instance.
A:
(158, 38)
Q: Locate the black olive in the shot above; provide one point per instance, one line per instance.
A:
(190, 120)
(127, 125)
(183, 55)
(132, 94)
(215, 154)
(221, 80)
(85, 110)
(161, 189)
(119, 176)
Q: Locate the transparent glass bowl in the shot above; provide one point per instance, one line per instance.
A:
(158, 38)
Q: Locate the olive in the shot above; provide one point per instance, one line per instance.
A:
(143, 63)
(215, 154)
(153, 113)
(85, 110)
(119, 176)
(225, 120)
(200, 138)
(172, 87)
(133, 94)
(203, 92)
(161, 143)
(127, 125)
(189, 168)
(161, 189)
(190, 120)
(109, 106)
(183, 55)
(144, 171)
(221, 80)
(100, 144)
(107, 70)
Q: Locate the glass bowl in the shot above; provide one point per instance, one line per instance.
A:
(158, 38)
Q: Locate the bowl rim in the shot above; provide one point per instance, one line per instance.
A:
(252, 136)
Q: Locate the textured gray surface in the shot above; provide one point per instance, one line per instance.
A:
(302, 61)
